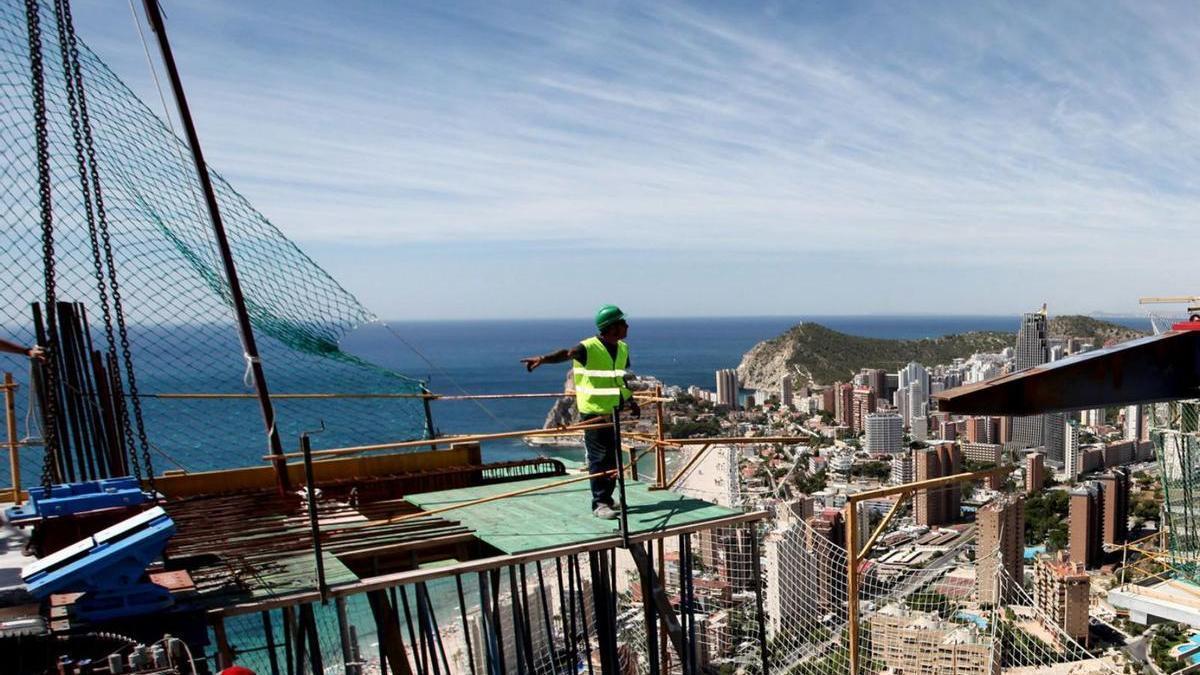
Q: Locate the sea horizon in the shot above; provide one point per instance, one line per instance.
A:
(483, 356)
(584, 316)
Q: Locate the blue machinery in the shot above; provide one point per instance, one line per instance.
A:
(108, 568)
(68, 499)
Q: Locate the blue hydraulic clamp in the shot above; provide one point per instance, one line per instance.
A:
(70, 498)
(108, 568)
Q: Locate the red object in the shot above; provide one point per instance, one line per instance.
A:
(178, 580)
(237, 670)
(1186, 325)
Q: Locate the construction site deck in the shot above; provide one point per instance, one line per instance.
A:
(253, 550)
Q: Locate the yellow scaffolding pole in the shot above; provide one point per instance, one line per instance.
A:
(854, 557)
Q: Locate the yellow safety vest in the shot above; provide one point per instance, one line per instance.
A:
(600, 385)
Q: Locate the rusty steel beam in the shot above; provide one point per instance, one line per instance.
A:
(1155, 368)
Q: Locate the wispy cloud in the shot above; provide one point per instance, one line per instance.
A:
(1000, 141)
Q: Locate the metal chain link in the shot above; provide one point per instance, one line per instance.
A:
(70, 46)
(73, 103)
(38, 82)
(98, 232)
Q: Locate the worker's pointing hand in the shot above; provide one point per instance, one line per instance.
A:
(37, 353)
(531, 363)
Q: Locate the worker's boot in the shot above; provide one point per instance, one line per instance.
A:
(605, 511)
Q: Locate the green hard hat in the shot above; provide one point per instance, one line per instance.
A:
(608, 315)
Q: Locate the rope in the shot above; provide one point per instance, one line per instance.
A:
(197, 200)
(248, 375)
(434, 366)
(429, 362)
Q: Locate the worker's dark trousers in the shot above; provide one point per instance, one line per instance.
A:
(601, 447)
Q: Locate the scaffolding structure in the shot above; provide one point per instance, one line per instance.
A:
(1175, 432)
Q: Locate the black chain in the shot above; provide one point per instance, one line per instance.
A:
(81, 126)
(98, 232)
(85, 188)
(38, 80)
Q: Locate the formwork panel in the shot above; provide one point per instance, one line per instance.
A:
(561, 515)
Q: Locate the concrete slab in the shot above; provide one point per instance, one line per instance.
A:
(1172, 600)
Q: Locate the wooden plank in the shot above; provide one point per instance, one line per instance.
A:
(404, 547)
(14, 447)
(263, 477)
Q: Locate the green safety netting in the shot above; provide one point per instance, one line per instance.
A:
(181, 325)
(1175, 430)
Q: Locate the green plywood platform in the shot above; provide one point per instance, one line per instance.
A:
(561, 516)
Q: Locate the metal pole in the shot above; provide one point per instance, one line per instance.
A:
(14, 447)
(430, 430)
(616, 416)
(756, 570)
(245, 331)
(587, 638)
(651, 617)
(660, 450)
(269, 634)
(462, 611)
(851, 517)
(348, 664)
(310, 485)
(664, 635)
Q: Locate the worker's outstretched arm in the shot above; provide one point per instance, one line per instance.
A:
(553, 357)
(34, 352)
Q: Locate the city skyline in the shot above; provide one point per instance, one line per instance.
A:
(495, 147)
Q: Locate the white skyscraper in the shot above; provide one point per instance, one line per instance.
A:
(785, 391)
(1072, 453)
(902, 468)
(913, 372)
(1133, 423)
(919, 428)
(1032, 350)
(727, 388)
(783, 545)
(885, 433)
(1092, 417)
(912, 399)
(1054, 437)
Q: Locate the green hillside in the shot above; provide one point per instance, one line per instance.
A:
(819, 354)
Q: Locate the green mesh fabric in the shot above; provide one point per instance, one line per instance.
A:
(1175, 430)
(176, 300)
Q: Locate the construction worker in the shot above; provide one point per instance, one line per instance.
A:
(601, 367)
(34, 352)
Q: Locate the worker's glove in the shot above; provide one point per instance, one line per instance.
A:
(635, 410)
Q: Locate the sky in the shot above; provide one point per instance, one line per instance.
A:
(520, 160)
